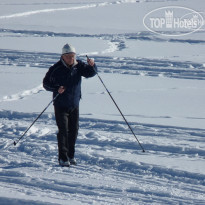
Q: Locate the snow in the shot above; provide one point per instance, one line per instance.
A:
(157, 81)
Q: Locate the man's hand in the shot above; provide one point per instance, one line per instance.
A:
(61, 89)
(90, 62)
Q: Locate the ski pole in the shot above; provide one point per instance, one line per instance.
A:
(118, 108)
(16, 142)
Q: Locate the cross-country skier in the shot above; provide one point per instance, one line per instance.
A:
(64, 77)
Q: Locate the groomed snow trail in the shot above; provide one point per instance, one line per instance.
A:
(111, 168)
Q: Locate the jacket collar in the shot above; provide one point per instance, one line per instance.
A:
(74, 64)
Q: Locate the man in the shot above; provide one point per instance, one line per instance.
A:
(64, 78)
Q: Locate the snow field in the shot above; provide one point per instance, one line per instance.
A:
(157, 82)
(106, 160)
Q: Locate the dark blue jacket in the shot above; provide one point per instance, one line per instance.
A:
(61, 75)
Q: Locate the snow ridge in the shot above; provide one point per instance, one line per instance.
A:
(29, 13)
(23, 94)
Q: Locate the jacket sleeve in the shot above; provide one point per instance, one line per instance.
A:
(49, 81)
(87, 70)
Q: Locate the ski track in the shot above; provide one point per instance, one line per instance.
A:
(108, 64)
(142, 183)
(30, 169)
(132, 66)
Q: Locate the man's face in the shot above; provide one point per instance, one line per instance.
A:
(69, 58)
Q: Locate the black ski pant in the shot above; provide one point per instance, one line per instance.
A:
(68, 124)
